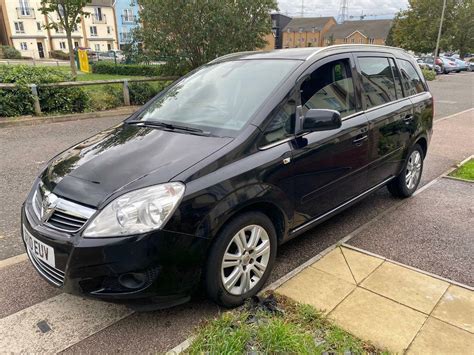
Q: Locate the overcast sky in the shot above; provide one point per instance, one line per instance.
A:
(314, 8)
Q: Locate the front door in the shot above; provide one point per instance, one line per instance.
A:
(40, 49)
(330, 167)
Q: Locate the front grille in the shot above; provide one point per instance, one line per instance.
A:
(66, 216)
(66, 222)
(52, 274)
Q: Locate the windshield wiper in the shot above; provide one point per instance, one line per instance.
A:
(168, 126)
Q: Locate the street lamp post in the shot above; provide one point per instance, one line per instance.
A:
(439, 34)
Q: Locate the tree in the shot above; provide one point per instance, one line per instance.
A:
(189, 33)
(417, 27)
(68, 16)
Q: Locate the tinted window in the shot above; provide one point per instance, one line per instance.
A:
(282, 124)
(330, 87)
(377, 81)
(411, 80)
(398, 79)
(221, 97)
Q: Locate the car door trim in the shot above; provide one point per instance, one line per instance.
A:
(334, 210)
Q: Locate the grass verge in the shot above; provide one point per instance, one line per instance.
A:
(465, 171)
(275, 324)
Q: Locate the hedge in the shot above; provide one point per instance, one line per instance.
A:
(428, 74)
(59, 55)
(109, 67)
(7, 52)
(19, 101)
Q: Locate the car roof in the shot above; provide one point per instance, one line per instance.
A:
(307, 53)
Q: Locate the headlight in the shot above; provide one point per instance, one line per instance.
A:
(137, 212)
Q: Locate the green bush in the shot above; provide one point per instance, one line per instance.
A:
(59, 55)
(105, 97)
(141, 93)
(109, 67)
(19, 101)
(8, 52)
(428, 74)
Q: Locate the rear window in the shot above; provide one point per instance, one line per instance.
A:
(411, 80)
(377, 81)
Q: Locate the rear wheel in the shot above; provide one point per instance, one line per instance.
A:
(406, 183)
(241, 259)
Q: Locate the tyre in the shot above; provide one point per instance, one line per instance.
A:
(241, 259)
(406, 183)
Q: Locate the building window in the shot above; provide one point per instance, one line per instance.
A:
(345, 40)
(93, 30)
(97, 47)
(23, 46)
(62, 45)
(371, 40)
(24, 10)
(19, 28)
(109, 29)
(128, 15)
(38, 26)
(352, 40)
(59, 30)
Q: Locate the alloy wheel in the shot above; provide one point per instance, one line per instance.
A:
(245, 259)
(413, 170)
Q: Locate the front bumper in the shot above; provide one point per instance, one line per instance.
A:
(166, 264)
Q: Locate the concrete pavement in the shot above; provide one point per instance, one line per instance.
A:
(394, 307)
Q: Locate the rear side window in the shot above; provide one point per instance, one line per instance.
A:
(377, 81)
(398, 79)
(411, 80)
(330, 87)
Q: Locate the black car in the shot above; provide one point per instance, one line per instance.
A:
(202, 184)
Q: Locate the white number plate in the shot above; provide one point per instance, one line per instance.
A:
(42, 251)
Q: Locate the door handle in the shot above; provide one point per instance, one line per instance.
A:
(408, 117)
(359, 140)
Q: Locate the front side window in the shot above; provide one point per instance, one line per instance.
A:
(330, 87)
(221, 97)
(411, 80)
(282, 123)
(377, 81)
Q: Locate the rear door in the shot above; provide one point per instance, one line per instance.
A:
(388, 112)
(329, 167)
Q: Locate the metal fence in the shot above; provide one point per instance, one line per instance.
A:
(126, 93)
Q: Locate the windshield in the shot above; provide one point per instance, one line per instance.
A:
(220, 98)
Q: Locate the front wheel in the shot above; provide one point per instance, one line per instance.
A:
(241, 259)
(406, 183)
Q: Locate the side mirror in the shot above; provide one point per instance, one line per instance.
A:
(320, 120)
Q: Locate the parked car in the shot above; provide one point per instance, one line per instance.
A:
(448, 65)
(112, 55)
(208, 179)
(427, 63)
(461, 64)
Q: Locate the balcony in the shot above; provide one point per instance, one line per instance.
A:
(25, 12)
(96, 19)
(129, 19)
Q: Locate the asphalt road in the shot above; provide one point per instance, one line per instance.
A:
(24, 150)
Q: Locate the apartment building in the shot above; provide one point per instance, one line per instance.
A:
(99, 28)
(359, 32)
(21, 26)
(306, 31)
(126, 13)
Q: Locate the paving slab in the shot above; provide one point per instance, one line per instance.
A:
(387, 324)
(431, 231)
(437, 337)
(457, 308)
(412, 289)
(317, 288)
(360, 264)
(334, 263)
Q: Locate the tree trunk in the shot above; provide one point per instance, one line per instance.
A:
(72, 59)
